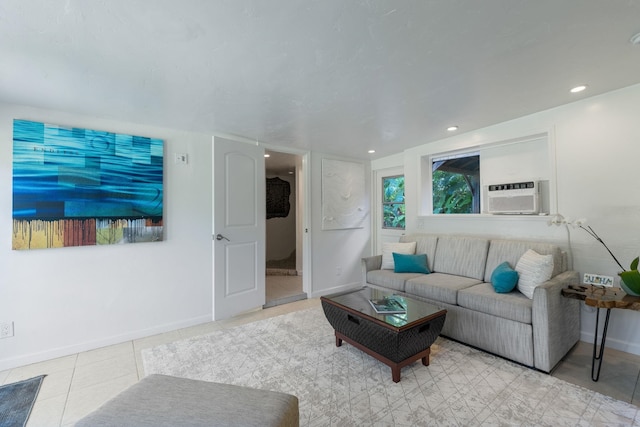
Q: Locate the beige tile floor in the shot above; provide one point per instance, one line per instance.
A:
(77, 384)
(619, 374)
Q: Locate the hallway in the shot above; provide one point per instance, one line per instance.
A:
(283, 290)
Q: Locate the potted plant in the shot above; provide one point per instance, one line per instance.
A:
(629, 279)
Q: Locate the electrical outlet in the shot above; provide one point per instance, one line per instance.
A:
(6, 329)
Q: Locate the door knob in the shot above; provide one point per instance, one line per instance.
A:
(220, 237)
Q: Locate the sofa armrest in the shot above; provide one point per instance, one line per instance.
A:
(556, 321)
(369, 264)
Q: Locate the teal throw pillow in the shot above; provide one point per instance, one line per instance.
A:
(410, 263)
(504, 278)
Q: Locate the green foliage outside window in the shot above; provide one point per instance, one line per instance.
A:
(393, 210)
(451, 193)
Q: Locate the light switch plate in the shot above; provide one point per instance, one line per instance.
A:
(181, 158)
(597, 280)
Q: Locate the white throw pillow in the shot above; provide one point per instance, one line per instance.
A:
(533, 270)
(400, 248)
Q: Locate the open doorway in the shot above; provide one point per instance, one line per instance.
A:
(283, 251)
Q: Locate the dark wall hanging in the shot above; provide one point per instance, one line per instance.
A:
(278, 192)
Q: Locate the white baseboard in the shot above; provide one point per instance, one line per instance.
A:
(336, 289)
(28, 359)
(627, 347)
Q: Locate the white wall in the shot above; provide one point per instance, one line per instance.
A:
(281, 232)
(71, 299)
(597, 157)
(68, 300)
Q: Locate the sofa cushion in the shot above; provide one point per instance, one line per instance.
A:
(401, 248)
(504, 278)
(462, 256)
(389, 279)
(438, 286)
(406, 263)
(511, 251)
(425, 244)
(481, 297)
(533, 270)
(164, 401)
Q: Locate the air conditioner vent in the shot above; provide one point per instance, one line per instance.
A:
(514, 198)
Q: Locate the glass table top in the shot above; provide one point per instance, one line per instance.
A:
(359, 300)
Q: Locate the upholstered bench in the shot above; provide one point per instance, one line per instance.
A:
(160, 400)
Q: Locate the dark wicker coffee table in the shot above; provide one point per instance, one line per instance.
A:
(396, 340)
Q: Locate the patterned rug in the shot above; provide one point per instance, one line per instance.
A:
(342, 386)
(16, 401)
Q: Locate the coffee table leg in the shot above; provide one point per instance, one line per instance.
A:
(395, 366)
(425, 359)
(395, 374)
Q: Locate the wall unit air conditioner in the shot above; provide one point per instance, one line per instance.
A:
(514, 198)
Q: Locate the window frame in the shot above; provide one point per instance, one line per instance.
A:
(383, 203)
(530, 157)
(476, 202)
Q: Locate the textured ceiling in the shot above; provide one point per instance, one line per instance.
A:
(335, 76)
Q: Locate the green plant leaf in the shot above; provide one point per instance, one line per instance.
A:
(632, 280)
(634, 263)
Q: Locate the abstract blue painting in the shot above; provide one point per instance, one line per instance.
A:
(76, 187)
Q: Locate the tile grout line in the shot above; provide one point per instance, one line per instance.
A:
(635, 389)
(66, 399)
(75, 370)
(135, 359)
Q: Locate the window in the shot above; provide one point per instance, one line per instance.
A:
(393, 202)
(456, 183)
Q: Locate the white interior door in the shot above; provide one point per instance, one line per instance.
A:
(239, 212)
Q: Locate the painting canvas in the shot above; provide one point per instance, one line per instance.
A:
(77, 187)
(343, 201)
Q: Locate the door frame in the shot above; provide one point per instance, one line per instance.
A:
(305, 195)
(378, 233)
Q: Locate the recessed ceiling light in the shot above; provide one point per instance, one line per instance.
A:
(452, 128)
(578, 89)
(371, 151)
(267, 155)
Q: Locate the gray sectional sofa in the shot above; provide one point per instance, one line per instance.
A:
(535, 332)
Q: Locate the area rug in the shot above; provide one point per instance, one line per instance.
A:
(16, 401)
(342, 386)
